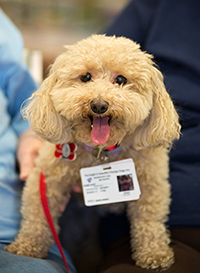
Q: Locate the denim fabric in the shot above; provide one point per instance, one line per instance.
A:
(21, 264)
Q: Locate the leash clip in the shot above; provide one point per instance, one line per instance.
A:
(100, 154)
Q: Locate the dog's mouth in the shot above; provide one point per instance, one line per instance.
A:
(100, 129)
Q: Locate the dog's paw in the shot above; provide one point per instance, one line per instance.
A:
(159, 260)
(26, 248)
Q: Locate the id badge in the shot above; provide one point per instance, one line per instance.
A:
(110, 183)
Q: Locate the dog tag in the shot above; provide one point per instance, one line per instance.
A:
(100, 154)
(110, 183)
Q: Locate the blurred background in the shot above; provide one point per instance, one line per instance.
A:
(47, 25)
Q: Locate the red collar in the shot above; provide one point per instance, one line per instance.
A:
(109, 148)
(68, 150)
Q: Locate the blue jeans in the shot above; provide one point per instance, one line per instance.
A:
(20, 264)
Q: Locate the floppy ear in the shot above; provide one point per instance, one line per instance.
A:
(162, 126)
(43, 118)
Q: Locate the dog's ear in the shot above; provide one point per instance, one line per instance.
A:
(43, 118)
(162, 125)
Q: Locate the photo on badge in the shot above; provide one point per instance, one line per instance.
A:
(125, 182)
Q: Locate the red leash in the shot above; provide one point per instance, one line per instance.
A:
(49, 218)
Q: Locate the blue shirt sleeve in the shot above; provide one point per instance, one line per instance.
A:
(15, 80)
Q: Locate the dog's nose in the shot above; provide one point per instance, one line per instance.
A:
(99, 107)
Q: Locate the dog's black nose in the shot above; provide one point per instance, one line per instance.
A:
(99, 107)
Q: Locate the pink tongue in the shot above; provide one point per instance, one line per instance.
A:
(100, 130)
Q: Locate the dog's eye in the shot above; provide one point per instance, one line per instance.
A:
(121, 80)
(86, 78)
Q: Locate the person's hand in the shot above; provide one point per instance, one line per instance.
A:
(28, 148)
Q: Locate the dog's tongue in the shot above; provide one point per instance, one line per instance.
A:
(100, 130)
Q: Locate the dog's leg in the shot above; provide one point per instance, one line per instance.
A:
(34, 238)
(149, 237)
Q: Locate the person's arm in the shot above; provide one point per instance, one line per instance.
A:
(16, 82)
(17, 85)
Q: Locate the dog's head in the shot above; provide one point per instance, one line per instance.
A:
(100, 90)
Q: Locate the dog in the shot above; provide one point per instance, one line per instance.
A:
(103, 91)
